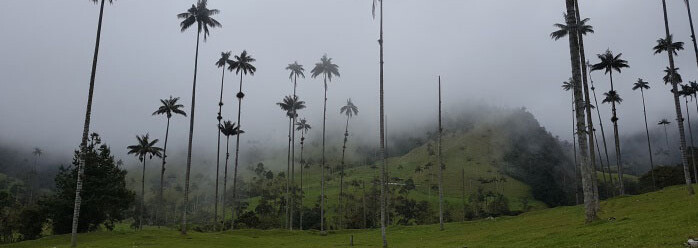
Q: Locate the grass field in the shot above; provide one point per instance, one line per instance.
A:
(666, 218)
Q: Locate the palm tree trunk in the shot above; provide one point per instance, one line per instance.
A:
(677, 104)
(693, 33)
(191, 137)
(462, 189)
(162, 170)
(382, 134)
(577, 174)
(590, 122)
(293, 154)
(441, 169)
(616, 137)
(341, 173)
(322, 176)
(666, 137)
(140, 215)
(690, 133)
(218, 151)
(603, 134)
(586, 169)
(649, 143)
(225, 176)
(85, 133)
(240, 95)
(603, 172)
(288, 176)
(302, 194)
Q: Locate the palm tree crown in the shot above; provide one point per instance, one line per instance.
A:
(243, 63)
(224, 60)
(229, 128)
(568, 85)
(350, 109)
(668, 44)
(291, 104)
(612, 97)
(37, 151)
(664, 122)
(326, 68)
(609, 62)
(145, 147)
(296, 70)
(170, 106)
(564, 29)
(641, 84)
(200, 15)
(687, 91)
(303, 125)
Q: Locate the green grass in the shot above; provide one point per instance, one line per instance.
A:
(666, 218)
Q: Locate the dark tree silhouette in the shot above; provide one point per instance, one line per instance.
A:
(603, 133)
(441, 167)
(144, 148)
(228, 129)
(383, 177)
(643, 85)
(168, 108)
(290, 105)
(221, 63)
(688, 91)
(200, 15)
(243, 66)
(671, 48)
(569, 86)
(327, 69)
(349, 110)
(296, 71)
(609, 63)
(86, 129)
(302, 126)
(665, 122)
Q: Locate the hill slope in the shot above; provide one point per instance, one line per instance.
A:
(666, 218)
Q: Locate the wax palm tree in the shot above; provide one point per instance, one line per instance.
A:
(290, 105)
(296, 70)
(603, 132)
(441, 167)
(221, 63)
(327, 69)
(86, 129)
(143, 149)
(37, 152)
(688, 91)
(665, 122)
(200, 15)
(242, 66)
(569, 86)
(670, 47)
(302, 126)
(349, 111)
(384, 185)
(643, 85)
(168, 107)
(228, 129)
(610, 63)
(693, 32)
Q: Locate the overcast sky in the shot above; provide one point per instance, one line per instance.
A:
(497, 52)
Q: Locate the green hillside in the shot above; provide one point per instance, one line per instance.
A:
(665, 218)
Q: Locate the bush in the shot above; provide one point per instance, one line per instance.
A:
(31, 222)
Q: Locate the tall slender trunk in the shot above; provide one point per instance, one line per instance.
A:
(287, 218)
(322, 176)
(162, 169)
(577, 174)
(240, 95)
(598, 150)
(225, 176)
(382, 133)
(462, 189)
(590, 122)
(293, 154)
(693, 33)
(140, 215)
(341, 173)
(586, 169)
(441, 169)
(690, 133)
(302, 194)
(191, 137)
(218, 150)
(666, 137)
(616, 137)
(677, 104)
(363, 201)
(603, 134)
(85, 133)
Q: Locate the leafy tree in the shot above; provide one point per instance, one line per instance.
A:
(241, 65)
(643, 85)
(200, 15)
(144, 148)
(105, 193)
(327, 69)
(671, 48)
(168, 107)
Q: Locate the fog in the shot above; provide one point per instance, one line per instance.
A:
(497, 53)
